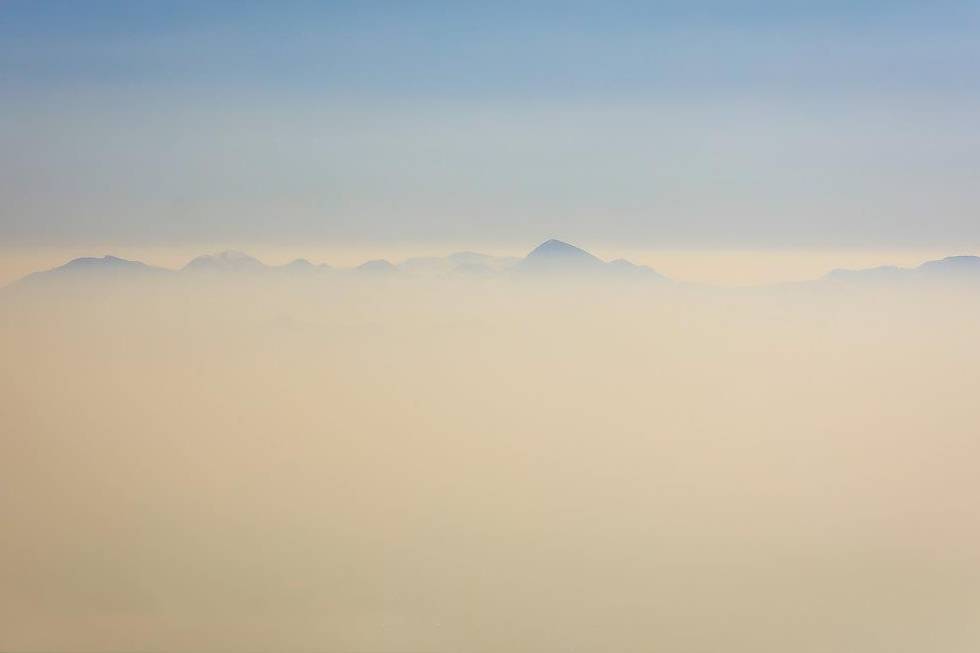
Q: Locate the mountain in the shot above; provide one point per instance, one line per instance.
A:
(556, 256)
(301, 267)
(552, 257)
(377, 266)
(224, 262)
(104, 268)
(951, 268)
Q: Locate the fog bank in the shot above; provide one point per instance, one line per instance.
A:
(372, 465)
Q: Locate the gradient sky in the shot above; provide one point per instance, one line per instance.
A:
(641, 124)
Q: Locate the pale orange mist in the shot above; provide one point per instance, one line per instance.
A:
(391, 466)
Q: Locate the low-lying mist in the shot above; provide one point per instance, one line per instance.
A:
(370, 465)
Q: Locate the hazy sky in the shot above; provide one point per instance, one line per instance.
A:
(641, 124)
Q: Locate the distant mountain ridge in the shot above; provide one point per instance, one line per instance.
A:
(551, 259)
(951, 268)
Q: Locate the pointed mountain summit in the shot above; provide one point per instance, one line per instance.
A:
(557, 256)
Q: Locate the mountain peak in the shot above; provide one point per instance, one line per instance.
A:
(953, 262)
(377, 266)
(225, 261)
(104, 267)
(100, 261)
(557, 254)
(555, 246)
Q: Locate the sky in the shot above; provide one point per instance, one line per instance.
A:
(619, 125)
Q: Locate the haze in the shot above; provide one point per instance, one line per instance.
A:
(349, 464)
(500, 327)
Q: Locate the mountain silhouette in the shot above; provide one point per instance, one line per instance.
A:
(102, 268)
(377, 266)
(301, 267)
(951, 268)
(228, 261)
(557, 256)
(553, 258)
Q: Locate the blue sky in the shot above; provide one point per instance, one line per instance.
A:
(669, 124)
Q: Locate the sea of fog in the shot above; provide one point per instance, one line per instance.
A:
(389, 467)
